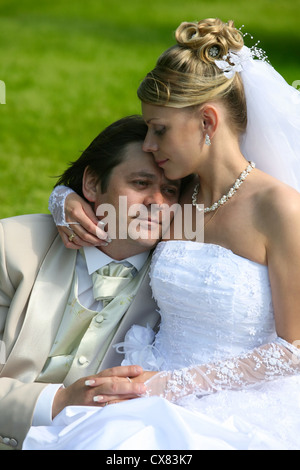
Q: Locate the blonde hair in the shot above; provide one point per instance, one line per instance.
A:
(186, 74)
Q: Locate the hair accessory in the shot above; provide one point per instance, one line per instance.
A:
(214, 51)
(234, 61)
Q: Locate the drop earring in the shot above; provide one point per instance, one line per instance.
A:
(207, 140)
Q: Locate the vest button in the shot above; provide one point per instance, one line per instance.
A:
(99, 318)
(13, 442)
(82, 360)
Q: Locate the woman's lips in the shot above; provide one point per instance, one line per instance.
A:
(162, 162)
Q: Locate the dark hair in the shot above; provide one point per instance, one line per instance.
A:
(105, 152)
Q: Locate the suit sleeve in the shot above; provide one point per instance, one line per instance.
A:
(17, 399)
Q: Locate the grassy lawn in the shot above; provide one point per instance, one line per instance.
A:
(72, 67)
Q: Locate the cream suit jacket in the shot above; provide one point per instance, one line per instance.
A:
(36, 272)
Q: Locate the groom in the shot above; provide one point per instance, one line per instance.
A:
(55, 326)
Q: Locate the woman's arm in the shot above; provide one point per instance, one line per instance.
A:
(74, 216)
(269, 362)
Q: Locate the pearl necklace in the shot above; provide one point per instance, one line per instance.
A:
(227, 196)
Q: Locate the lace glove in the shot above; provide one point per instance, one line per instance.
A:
(57, 205)
(266, 363)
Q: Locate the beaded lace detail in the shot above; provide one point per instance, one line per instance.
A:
(270, 362)
(57, 204)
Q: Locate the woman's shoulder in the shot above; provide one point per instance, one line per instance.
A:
(279, 196)
(277, 203)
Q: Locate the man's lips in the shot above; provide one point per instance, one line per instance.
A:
(149, 221)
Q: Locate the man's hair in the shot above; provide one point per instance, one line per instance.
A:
(105, 152)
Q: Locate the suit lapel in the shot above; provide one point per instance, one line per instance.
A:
(44, 312)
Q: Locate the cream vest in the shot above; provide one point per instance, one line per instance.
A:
(84, 335)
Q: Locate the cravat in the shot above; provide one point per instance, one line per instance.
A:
(109, 280)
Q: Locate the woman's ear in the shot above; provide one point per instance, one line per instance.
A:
(89, 185)
(210, 119)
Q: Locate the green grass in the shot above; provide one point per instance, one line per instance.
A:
(72, 67)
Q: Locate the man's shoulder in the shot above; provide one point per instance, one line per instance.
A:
(29, 223)
(32, 230)
(28, 220)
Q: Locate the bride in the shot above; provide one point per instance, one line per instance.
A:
(223, 370)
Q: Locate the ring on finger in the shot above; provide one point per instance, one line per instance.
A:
(71, 237)
(129, 379)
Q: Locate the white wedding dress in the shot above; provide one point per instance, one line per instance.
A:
(231, 382)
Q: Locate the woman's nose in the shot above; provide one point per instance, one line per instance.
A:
(149, 145)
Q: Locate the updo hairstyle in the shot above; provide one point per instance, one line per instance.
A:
(186, 75)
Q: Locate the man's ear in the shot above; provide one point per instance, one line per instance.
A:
(89, 185)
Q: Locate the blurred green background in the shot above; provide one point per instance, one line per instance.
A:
(72, 67)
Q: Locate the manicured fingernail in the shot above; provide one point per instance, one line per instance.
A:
(98, 399)
(89, 382)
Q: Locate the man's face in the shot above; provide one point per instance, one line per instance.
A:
(136, 188)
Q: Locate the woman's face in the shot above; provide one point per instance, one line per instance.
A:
(175, 137)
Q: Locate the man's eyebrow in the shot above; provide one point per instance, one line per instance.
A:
(142, 174)
(152, 176)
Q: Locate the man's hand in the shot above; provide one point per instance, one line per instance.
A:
(109, 386)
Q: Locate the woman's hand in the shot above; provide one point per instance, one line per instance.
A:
(84, 227)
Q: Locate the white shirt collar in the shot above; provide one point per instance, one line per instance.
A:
(95, 259)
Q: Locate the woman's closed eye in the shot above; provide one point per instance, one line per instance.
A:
(160, 131)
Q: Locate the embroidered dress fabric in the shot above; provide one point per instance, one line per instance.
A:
(56, 204)
(226, 380)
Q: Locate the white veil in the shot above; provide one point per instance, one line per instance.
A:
(272, 138)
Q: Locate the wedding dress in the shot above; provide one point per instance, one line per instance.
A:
(227, 380)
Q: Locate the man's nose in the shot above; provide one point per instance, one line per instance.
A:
(154, 197)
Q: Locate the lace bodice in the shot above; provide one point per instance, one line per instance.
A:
(217, 324)
(213, 303)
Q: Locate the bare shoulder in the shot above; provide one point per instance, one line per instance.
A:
(279, 208)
